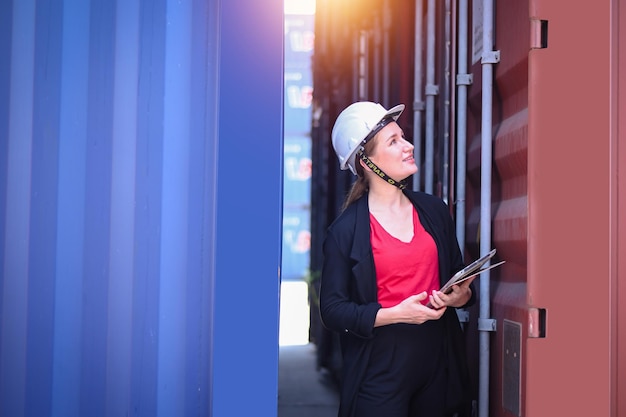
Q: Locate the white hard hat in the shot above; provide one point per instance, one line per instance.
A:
(357, 124)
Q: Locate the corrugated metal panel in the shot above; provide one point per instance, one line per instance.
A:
(109, 131)
(509, 203)
(571, 153)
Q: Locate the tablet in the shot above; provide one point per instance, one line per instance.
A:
(470, 271)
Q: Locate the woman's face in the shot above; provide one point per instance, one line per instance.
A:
(392, 153)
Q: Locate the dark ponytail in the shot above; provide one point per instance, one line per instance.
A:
(359, 187)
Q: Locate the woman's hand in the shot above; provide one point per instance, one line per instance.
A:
(458, 297)
(410, 310)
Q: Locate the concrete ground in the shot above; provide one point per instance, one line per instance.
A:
(304, 391)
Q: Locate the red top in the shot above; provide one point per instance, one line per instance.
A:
(403, 268)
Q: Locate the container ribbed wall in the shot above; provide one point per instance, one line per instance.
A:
(123, 152)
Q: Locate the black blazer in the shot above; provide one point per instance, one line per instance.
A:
(349, 298)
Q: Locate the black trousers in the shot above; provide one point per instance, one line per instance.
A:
(406, 375)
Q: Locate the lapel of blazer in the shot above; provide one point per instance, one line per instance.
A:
(361, 253)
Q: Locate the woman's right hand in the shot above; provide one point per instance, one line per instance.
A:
(410, 310)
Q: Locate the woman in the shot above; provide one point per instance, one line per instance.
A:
(385, 257)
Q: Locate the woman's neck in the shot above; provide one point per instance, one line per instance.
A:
(384, 197)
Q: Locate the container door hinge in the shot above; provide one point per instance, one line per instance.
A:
(431, 90)
(490, 57)
(464, 79)
(486, 325)
(536, 322)
(538, 34)
(418, 106)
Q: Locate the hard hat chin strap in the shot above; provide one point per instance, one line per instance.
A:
(400, 184)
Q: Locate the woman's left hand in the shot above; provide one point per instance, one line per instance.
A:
(458, 297)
